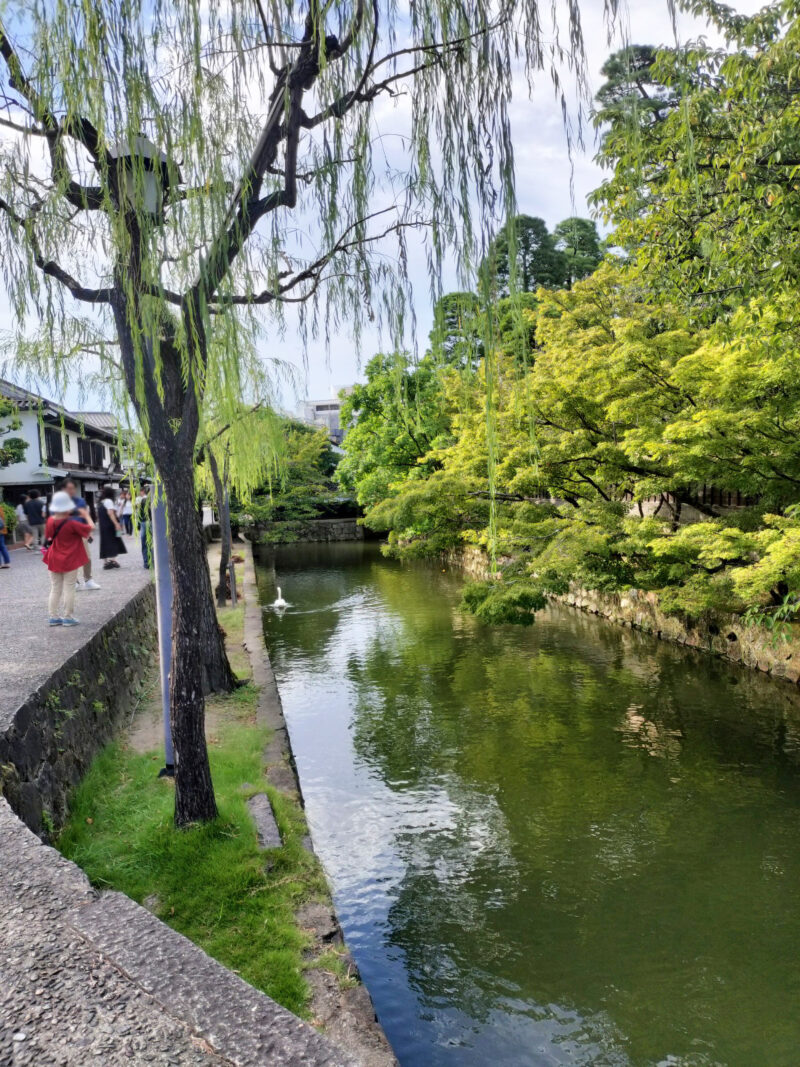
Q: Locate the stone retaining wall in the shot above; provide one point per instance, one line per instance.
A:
(313, 530)
(724, 636)
(51, 739)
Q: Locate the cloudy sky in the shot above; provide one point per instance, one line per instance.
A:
(545, 178)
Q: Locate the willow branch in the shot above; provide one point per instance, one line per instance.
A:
(87, 197)
(52, 269)
(314, 270)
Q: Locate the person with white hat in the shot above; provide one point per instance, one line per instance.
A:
(65, 554)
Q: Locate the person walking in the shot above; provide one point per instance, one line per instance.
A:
(66, 554)
(34, 508)
(23, 526)
(5, 559)
(82, 513)
(111, 542)
(144, 518)
(127, 513)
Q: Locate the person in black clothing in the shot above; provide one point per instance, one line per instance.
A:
(111, 542)
(144, 518)
(34, 508)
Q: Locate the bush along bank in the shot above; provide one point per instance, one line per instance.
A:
(246, 888)
(775, 651)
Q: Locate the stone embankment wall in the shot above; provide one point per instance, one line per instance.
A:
(725, 636)
(313, 530)
(52, 738)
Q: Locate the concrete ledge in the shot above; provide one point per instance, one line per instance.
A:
(236, 1021)
(98, 979)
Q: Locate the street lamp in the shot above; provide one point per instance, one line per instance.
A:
(145, 175)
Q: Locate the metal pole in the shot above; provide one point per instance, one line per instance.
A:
(164, 612)
(231, 564)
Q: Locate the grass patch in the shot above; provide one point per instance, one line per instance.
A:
(232, 622)
(212, 883)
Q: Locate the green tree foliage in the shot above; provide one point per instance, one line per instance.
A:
(579, 244)
(402, 418)
(301, 486)
(603, 445)
(397, 417)
(524, 257)
(655, 379)
(632, 94)
(706, 199)
(12, 449)
(456, 336)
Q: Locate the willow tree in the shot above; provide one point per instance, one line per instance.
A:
(171, 165)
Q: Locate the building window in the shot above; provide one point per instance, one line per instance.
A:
(67, 445)
(53, 445)
(98, 454)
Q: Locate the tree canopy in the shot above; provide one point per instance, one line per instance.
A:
(648, 440)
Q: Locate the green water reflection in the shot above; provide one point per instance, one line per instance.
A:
(564, 845)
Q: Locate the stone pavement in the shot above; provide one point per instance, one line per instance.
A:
(31, 650)
(88, 978)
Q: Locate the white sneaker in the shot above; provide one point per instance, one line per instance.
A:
(79, 587)
(91, 584)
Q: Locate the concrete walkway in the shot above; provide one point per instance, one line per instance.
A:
(31, 650)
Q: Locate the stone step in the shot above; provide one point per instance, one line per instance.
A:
(269, 836)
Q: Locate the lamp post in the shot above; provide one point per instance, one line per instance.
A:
(145, 175)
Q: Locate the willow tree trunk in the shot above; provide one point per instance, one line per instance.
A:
(224, 512)
(191, 594)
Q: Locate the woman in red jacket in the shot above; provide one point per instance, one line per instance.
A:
(66, 555)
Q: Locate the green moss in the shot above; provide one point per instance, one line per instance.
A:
(211, 883)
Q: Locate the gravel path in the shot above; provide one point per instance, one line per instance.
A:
(30, 649)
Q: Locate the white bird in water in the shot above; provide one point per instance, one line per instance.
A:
(279, 602)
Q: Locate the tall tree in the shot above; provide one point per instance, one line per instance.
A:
(579, 243)
(632, 93)
(456, 337)
(154, 153)
(707, 202)
(524, 256)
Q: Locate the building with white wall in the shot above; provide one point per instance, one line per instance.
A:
(83, 446)
(327, 415)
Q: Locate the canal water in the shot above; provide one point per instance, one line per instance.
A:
(566, 844)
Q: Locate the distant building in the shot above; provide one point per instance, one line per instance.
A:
(326, 414)
(82, 445)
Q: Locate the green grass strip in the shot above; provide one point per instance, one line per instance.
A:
(211, 882)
